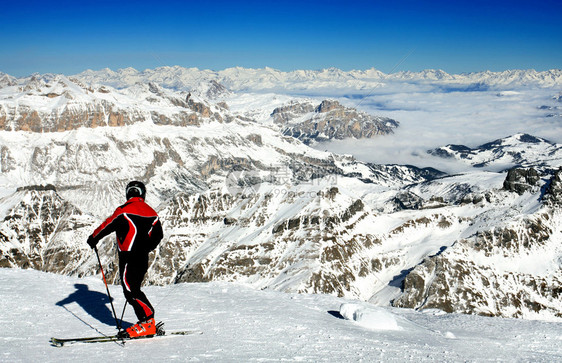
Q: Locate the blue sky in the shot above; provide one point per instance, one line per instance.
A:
(456, 36)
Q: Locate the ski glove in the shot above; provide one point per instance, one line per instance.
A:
(92, 242)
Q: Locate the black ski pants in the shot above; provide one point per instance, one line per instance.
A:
(132, 268)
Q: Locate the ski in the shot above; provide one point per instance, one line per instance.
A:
(58, 342)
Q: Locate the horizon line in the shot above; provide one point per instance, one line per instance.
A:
(319, 70)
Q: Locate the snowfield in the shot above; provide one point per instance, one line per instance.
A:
(244, 325)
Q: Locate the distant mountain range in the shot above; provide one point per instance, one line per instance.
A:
(247, 79)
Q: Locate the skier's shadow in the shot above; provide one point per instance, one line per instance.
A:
(94, 304)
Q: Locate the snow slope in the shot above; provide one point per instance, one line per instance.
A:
(244, 325)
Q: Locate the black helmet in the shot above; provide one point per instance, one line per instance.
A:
(135, 189)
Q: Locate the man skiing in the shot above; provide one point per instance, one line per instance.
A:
(138, 231)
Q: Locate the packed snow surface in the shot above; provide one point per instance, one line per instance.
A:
(242, 324)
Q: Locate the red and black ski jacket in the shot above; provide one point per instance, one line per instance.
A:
(136, 226)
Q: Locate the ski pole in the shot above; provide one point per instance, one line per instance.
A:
(123, 314)
(107, 288)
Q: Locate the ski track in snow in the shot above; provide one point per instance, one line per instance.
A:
(247, 325)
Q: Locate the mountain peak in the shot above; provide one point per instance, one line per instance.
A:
(516, 150)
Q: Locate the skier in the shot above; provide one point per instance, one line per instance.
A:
(138, 231)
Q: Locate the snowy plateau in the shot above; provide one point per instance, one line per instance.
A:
(308, 215)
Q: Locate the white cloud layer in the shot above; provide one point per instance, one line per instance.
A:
(429, 119)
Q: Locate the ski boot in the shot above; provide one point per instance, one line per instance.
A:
(145, 328)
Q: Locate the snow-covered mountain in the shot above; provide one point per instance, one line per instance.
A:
(57, 103)
(329, 120)
(242, 202)
(520, 150)
(244, 79)
(508, 265)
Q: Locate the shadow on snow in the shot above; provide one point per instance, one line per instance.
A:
(94, 304)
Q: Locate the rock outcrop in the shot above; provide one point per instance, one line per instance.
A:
(329, 120)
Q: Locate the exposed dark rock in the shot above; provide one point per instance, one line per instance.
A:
(39, 188)
(330, 120)
(521, 180)
(452, 282)
(407, 200)
(553, 193)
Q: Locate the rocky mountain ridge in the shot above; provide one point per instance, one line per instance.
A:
(329, 120)
(511, 269)
(58, 103)
(320, 224)
(520, 150)
(55, 103)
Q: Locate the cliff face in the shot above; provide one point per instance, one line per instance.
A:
(329, 120)
(61, 104)
(553, 192)
(33, 234)
(511, 269)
